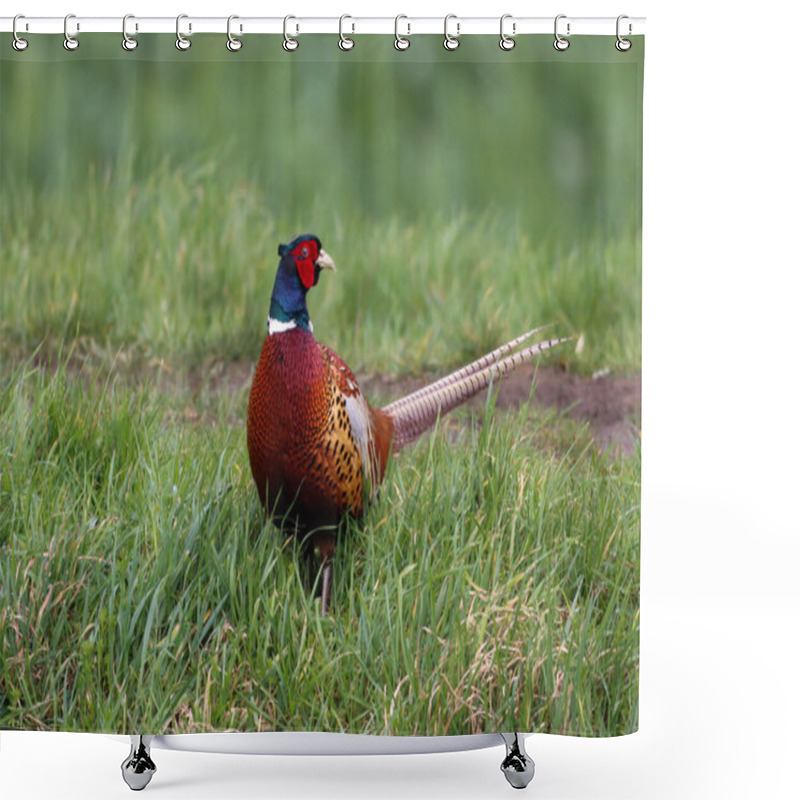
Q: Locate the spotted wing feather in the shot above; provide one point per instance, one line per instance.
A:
(340, 449)
(370, 429)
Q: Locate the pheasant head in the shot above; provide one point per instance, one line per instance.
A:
(299, 268)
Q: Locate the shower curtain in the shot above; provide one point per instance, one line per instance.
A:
(466, 196)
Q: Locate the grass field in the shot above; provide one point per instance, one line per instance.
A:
(493, 586)
(493, 582)
(180, 268)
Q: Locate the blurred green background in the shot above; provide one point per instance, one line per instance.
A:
(140, 191)
(555, 141)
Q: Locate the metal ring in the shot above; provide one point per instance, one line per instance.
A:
(181, 42)
(623, 45)
(345, 42)
(19, 44)
(451, 42)
(70, 42)
(233, 44)
(506, 42)
(560, 44)
(400, 42)
(128, 42)
(290, 44)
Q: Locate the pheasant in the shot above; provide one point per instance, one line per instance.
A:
(318, 450)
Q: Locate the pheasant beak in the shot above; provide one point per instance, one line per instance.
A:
(324, 261)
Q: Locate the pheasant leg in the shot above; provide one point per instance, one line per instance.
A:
(327, 581)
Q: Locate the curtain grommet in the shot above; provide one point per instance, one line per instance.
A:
(70, 42)
(560, 43)
(507, 42)
(451, 42)
(401, 42)
(345, 42)
(18, 43)
(181, 42)
(129, 43)
(233, 44)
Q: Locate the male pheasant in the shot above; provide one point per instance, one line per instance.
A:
(318, 450)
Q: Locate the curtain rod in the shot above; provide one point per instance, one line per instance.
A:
(348, 26)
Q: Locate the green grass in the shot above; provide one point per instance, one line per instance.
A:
(465, 198)
(494, 584)
(179, 267)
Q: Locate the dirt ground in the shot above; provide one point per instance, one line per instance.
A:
(611, 404)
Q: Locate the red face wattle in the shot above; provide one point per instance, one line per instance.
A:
(305, 256)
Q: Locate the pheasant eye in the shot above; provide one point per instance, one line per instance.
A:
(304, 252)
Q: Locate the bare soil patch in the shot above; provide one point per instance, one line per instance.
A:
(610, 404)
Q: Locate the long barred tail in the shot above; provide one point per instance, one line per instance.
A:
(413, 414)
